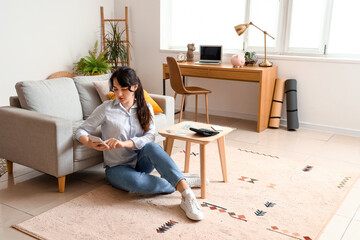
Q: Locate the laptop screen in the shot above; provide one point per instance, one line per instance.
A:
(210, 53)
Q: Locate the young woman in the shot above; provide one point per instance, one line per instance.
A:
(128, 129)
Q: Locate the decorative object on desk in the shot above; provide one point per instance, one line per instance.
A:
(250, 58)
(277, 103)
(291, 104)
(241, 28)
(180, 57)
(190, 52)
(94, 64)
(238, 60)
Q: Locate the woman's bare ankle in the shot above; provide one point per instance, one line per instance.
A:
(182, 185)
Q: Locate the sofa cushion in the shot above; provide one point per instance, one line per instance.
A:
(55, 97)
(102, 88)
(89, 97)
(157, 109)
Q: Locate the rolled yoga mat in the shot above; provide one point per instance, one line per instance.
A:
(291, 104)
(277, 103)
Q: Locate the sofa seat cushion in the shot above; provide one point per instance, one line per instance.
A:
(89, 97)
(81, 152)
(55, 97)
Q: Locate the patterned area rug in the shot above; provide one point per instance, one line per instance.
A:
(267, 197)
(3, 168)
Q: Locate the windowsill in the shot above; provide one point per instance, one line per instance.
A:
(327, 59)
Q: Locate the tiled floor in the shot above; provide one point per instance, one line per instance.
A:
(27, 192)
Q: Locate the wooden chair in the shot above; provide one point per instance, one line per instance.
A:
(178, 86)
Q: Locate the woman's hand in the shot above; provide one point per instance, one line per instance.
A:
(114, 143)
(84, 139)
(98, 146)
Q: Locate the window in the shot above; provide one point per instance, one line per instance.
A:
(344, 36)
(202, 21)
(265, 15)
(306, 23)
(307, 27)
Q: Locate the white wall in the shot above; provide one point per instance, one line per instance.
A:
(40, 37)
(328, 92)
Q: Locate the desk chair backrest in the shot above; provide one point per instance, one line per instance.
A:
(175, 76)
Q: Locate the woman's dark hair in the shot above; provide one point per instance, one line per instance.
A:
(126, 77)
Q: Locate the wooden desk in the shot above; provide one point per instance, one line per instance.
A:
(265, 76)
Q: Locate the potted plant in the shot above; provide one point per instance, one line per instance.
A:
(250, 58)
(115, 46)
(93, 64)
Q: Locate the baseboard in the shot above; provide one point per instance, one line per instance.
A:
(223, 113)
(325, 128)
(283, 122)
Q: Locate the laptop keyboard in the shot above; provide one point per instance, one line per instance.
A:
(205, 62)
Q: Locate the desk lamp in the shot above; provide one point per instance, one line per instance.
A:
(241, 28)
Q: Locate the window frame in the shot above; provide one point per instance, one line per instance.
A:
(321, 49)
(282, 37)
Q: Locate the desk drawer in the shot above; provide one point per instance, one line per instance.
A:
(194, 72)
(235, 75)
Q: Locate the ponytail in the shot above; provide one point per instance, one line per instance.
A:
(143, 111)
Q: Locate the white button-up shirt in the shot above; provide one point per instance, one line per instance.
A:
(117, 122)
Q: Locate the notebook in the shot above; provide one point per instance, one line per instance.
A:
(210, 54)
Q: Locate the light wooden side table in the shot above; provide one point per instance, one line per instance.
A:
(181, 131)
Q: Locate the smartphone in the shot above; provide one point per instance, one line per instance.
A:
(97, 140)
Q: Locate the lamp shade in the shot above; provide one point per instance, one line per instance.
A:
(241, 28)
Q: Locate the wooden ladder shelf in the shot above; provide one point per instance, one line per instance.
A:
(126, 41)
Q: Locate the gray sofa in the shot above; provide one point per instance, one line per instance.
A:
(37, 129)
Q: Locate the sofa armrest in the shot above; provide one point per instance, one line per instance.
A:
(36, 140)
(167, 105)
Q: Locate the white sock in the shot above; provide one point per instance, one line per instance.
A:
(187, 192)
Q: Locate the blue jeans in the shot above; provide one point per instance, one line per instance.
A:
(139, 180)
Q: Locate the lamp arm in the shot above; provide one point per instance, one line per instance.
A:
(250, 23)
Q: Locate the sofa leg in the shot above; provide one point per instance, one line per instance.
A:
(9, 166)
(61, 183)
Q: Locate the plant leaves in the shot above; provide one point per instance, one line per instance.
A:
(117, 50)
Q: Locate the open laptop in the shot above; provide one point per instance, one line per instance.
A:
(210, 54)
